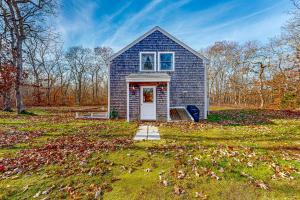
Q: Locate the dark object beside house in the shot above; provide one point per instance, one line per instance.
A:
(194, 111)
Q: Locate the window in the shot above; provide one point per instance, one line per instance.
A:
(166, 61)
(147, 95)
(147, 61)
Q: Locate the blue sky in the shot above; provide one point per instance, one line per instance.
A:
(198, 23)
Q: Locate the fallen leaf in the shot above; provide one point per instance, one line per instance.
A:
(148, 170)
(250, 164)
(2, 168)
(99, 194)
(130, 170)
(165, 183)
(58, 151)
(221, 170)
(37, 194)
(25, 188)
(178, 190)
(180, 174)
(200, 195)
(214, 176)
(47, 191)
(261, 185)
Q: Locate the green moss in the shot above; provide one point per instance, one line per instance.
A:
(12, 121)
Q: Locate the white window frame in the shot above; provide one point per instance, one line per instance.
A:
(148, 52)
(173, 66)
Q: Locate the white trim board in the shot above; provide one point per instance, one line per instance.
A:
(157, 28)
(148, 77)
(149, 80)
(205, 92)
(127, 112)
(173, 60)
(155, 65)
(108, 93)
(168, 102)
(154, 102)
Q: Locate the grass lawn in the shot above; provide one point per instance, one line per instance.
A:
(235, 154)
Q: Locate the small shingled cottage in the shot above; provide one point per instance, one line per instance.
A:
(156, 77)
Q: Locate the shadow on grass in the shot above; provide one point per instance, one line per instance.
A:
(18, 146)
(187, 145)
(25, 112)
(240, 117)
(243, 138)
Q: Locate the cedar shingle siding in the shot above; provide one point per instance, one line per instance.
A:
(134, 103)
(187, 84)
(161, 104)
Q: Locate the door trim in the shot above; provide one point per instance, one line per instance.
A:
(154, 101)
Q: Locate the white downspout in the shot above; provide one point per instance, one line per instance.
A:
(108, 91)
(127, 84)
(168, 101)
(205, 91)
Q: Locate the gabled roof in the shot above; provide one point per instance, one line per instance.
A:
(157, 28)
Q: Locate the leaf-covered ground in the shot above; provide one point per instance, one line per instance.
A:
(235, 154)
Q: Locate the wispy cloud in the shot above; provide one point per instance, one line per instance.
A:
(212, 28)
(118, 12)
(132, 21)
(198, 20)
(81, 27)
(73, 26)
(260, 25)
(197, 23)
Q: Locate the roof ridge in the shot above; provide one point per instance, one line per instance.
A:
(158, 28)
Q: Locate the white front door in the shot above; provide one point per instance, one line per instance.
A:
(148, 102)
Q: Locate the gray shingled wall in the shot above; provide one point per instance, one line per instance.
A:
(187, 81)
(134, 104)
(161, 103)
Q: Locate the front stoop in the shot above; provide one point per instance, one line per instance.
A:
(146, 132)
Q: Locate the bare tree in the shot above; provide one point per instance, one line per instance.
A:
(79, 60)
(35, 68)
(102, 56)
(292, 27)
(24, 19)
(64, 76)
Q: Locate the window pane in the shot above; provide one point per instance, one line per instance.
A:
(166, 57)
(148, 95)
(166, 65)
(147, 61)
(166, 61)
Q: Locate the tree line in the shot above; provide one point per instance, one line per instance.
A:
(76, 76)
(35, 69)
(255, 74)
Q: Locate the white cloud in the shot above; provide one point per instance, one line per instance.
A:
(196, 28)
(82, 28)
(178, 26)
(130, 23)
(259, 25)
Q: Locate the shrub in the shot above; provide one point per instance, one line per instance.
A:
(113, 114)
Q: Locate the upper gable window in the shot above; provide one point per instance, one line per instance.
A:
(166, 61)
(147, 61)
